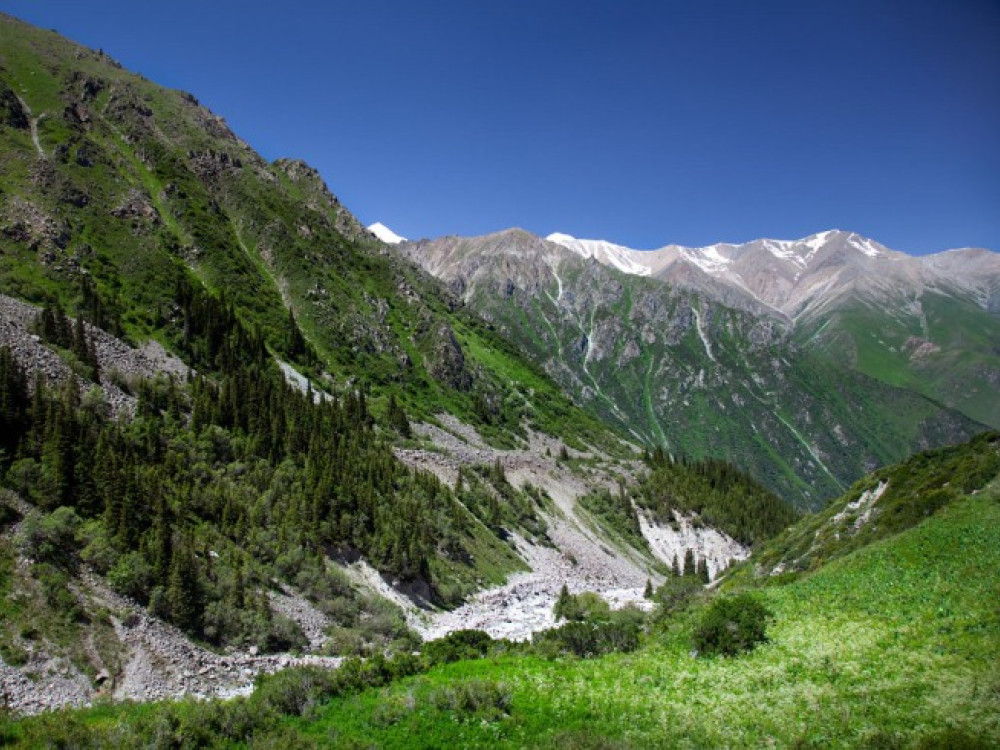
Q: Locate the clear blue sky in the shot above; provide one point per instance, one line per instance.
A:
(639, 122)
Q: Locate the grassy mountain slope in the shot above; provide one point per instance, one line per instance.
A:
(891, 644)
(940, 344)
(111, 178)
(678, 370)
(883, 504)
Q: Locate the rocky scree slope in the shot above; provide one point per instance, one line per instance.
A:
(677, 368)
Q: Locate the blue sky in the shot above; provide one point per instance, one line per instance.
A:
(639, 122)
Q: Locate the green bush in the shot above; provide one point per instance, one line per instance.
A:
(675, 594)
(589, 639)
(132, 576)
(457, 646)
(483, 700)
(51, 538)
(731, 625)
(579, 607)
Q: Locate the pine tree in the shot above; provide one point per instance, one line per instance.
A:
(183, 589)
(690, 566)
(396, 417)
(702, 570)
(564, 604)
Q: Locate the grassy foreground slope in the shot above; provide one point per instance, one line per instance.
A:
(896, 645)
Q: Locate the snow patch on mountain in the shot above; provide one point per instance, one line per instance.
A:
(385, 234)
(865, 245)
(708, 259)
(617, 256)
(783, 250)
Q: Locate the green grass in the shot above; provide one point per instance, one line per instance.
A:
(956, 373)
(895, 644)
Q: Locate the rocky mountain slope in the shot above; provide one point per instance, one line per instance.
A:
(674, 366)
(929, 323)
(110, 182)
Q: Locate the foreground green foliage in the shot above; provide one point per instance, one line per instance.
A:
(730, 626)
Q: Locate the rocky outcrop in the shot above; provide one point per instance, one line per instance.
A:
(12, 114)
(118, 362)
(446, 361)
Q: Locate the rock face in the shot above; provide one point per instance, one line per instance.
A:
(670, 543)
(12, 114)
(675, 367)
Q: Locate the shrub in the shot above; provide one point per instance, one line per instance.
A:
(587, 639)
(579, 607)
(675, 594)
(484, 700)
(51, 538)
(132, 576)
(731, 625)
(457, 646)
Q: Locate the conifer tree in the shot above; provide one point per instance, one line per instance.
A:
(690, 566)
(702, 570)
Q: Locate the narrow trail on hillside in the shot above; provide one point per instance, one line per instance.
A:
(33, 125)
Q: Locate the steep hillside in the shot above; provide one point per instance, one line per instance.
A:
(117, 194)
(676, 368)
(883, 504)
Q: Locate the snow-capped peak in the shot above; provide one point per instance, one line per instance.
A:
(385, 234)
(622, 258)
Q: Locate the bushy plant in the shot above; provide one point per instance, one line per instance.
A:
(731, 625)
(675, 594)
(459, 645)
(579, 607)
(51, 538)
(618, 632)
(484, 700)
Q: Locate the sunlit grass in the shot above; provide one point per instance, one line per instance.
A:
(895, 643)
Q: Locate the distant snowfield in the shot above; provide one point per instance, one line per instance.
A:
(385, 234)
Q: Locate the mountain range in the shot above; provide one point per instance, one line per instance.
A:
(930, 323)
(806, 362)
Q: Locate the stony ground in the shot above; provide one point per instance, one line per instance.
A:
(118, 362)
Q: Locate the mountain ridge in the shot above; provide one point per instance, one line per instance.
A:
(681, 368)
